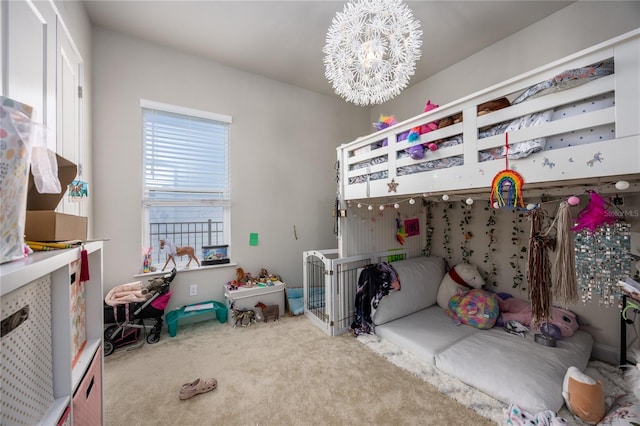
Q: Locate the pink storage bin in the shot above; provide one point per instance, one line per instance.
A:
(87, 401)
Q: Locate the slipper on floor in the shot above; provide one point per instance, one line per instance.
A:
(198, 386)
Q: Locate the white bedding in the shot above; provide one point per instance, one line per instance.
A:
(425, 333)
(516, 370)
(510, 368)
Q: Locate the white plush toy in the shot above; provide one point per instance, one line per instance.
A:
(583, 395)
(463, 276)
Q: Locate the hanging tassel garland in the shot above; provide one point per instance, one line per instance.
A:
(84, 266)
(565, 290)
(539, 271)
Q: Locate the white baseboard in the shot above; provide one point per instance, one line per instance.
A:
(606, 353)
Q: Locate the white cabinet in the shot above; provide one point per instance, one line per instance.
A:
(42, 67)
(28, 57)
(55, 349)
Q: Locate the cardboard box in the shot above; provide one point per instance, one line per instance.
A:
(43, 223)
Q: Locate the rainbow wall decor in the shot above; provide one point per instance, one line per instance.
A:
(510, 181)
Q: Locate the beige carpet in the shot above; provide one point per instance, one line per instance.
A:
(279, 373)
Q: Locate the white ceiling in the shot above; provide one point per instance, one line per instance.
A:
(283, 40)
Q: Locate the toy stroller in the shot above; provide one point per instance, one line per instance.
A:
(128, 305)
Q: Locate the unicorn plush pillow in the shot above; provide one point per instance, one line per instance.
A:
(477, 308)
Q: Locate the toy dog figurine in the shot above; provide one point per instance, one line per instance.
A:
(271, 310)
(244, 317)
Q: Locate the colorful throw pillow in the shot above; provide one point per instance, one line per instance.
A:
(477, 308)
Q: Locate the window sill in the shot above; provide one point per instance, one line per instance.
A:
(183, 269)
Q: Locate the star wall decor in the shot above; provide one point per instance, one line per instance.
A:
(392, 185)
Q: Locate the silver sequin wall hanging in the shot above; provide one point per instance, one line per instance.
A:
(602, 259)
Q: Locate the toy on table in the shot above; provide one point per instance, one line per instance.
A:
(242, 317)
(173, 251)
(269, 311)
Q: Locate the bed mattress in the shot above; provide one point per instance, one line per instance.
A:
(425, 333)
(516, 370)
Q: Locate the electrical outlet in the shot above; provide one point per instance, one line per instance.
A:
(193, 290)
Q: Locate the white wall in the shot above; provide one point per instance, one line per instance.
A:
(576, 27)
(603, 320)
(283, 142)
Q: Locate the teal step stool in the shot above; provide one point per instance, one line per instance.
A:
(186, 311)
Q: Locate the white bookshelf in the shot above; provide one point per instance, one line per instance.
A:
(48, 367)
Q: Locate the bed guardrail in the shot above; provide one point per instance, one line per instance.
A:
(606, 132)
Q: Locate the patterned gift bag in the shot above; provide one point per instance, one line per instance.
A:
(15, 158)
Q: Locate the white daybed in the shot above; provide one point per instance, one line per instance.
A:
(510, 368)
(576, 118)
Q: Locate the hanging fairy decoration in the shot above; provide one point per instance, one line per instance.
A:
(595, 214)
(508, 181)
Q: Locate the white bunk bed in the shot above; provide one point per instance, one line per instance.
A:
(587, 131)
(574, 119)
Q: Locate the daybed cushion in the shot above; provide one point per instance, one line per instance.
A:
(419, 281)
(516, 370)
(425, 333)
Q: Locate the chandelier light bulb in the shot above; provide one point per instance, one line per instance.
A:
(371, 50)
(370, 208)
(469, 201)
(412, 201)
(496, 205)
(573, 200)
(381, 208)
(359, 205)
(445, 197)
(396, 206)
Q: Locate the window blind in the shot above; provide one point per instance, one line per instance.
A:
(185, 158)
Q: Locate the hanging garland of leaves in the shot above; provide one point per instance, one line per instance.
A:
(492, 269)
(466, 234)
(427, 247)
(520, 253)
(447, 230)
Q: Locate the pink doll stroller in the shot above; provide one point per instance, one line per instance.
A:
(128, 305)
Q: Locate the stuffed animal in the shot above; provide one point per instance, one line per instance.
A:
(384, 122)
(269, 311)
(476, 307)
(583, 395)
(461, 277)
(483, 109)
(563, 323)
(416, 151)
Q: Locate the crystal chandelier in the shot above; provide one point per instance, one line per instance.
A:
(371, 50)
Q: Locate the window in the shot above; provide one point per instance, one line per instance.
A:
(186, 178)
